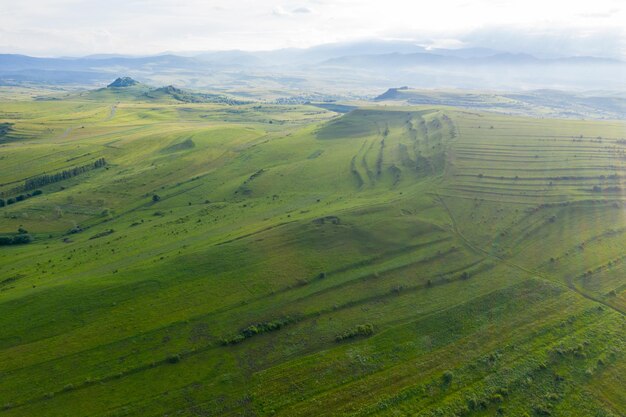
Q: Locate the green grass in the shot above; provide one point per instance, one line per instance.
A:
(473, 244)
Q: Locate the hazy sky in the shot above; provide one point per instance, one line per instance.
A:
(79, 27)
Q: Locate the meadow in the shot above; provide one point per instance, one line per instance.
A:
(258, 259)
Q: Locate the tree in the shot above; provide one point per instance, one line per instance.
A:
(155, 198)
(25, 238)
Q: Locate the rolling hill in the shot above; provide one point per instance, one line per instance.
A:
(264, 259)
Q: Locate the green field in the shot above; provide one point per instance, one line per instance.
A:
(261, 259)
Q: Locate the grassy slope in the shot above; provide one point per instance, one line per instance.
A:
(242, 235)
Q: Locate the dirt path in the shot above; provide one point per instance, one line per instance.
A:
(112, 112)
(475, 248)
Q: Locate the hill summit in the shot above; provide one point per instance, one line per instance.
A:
(170, 89)
(123, 82)
(391, 94)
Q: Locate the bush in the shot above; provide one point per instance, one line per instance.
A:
(542, 410)
(360, 330)
(2, 202)
(173, 358)
(37, 192)
(22, 238)
(233, 340)
(10, 201)
(447, 377)
(156, 198)
(258, 328)
(15, 240)
(497, 398)
(75, 229)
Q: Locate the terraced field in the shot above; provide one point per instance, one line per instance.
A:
(260, 259)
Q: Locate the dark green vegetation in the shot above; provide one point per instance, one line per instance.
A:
(389, 261)
(45, 179)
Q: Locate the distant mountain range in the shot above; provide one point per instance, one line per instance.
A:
(367, 64)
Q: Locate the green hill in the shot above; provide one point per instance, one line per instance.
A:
(240, 259)
(123, 82)
(128, 90)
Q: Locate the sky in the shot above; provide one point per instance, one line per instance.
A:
(140, 27)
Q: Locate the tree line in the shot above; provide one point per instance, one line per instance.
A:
(42, 180)
(20, 238)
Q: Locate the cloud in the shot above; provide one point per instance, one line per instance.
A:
(279, 11)
(75, 27)
(601, 15)
(551, 42)
(282, 12)
(302, 10)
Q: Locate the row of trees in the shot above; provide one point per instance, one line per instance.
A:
(42, 180)
(18, 198)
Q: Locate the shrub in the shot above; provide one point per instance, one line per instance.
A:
(156, 198)
(15, 240)
(258, 328)
(37, 192)
(10, 201)
(22, 238)
(360, 330)
(2, 202)
(233, 340)
(102, 234)
(497, 398)
(472, 403)
(447, 377)
(75, 229)
(542, 410)
(173, 358)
